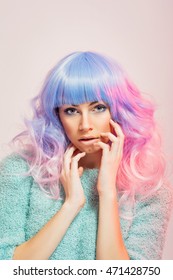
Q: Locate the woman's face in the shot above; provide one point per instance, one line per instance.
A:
(83, 124)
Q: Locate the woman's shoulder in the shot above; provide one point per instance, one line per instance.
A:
(12, 163)
(165, 196)
(14, 177)
(14, 170)
(160, 196)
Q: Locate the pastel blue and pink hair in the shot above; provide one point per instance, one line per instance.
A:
(86, 77)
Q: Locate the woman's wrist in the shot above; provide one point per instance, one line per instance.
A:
(108, 193)
(73, 205)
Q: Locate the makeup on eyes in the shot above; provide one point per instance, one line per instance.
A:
(98, 108)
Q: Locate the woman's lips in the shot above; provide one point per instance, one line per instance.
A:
(89, 141)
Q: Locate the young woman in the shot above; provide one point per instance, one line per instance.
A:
(87, 180)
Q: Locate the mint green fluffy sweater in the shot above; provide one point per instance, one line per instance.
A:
(24, 210)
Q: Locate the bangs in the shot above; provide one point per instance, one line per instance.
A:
(78, 93)
(85, 79)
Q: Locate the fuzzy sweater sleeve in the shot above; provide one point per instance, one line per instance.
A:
(148, 230)
(14, 203)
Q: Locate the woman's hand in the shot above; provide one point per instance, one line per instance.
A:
(110, 243)
(111, 157)
(70, 177)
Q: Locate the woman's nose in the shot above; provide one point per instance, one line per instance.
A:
(85, 123)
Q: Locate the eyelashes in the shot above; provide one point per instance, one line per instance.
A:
(100, 108)
(73, 111)
(70, 111)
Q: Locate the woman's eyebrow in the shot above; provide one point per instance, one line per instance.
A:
(89, 104)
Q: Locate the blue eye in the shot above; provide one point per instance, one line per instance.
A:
(70, 111)
(100, 108)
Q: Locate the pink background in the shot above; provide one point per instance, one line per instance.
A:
(35, 34)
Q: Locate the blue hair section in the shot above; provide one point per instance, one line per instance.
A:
(80, 78)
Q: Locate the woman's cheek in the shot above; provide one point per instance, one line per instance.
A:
(104, 139)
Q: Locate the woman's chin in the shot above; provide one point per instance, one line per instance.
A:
(90, 150)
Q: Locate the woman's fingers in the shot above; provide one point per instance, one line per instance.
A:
(80, 170)
(120, 137)
(117, 129)
(75, 160)
(70, 160)
(103, 146)
(70, 176)
(67, 157)
(109, 135)
(70, 163)
(117, 142)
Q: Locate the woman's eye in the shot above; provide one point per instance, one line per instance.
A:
(70, 111)
(100, 108)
